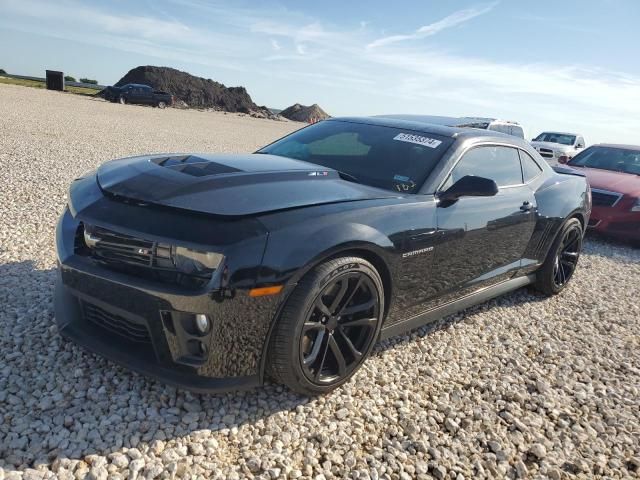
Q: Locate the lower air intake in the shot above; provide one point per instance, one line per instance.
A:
(115, 323)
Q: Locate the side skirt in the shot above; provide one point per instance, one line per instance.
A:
(479, 296)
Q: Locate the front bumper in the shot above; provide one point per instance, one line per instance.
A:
(617, 222)
(141, 324)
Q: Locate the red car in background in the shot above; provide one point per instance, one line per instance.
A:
(614, 174)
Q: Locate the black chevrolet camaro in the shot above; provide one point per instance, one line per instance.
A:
(214, 272)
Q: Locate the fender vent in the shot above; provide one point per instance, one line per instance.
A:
(543, 238)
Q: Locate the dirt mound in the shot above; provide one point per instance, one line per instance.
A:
(302, 113)
(196, 92)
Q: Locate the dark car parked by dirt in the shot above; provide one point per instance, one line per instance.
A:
(139, 94)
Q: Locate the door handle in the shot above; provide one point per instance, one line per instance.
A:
(526, 206)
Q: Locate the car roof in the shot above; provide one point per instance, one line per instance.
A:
(428, 124)
(618, 145)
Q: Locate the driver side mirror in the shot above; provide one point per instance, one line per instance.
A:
(579, 145)
(469, 186)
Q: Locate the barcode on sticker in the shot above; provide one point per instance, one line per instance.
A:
(418, 139)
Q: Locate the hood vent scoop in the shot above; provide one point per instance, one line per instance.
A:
(193, 165)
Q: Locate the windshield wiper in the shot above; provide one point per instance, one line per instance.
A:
(348, 177)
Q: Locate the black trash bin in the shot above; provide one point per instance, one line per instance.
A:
(55, 80)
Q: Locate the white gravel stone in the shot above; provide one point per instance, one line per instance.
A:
(521, 386)
(538, 450)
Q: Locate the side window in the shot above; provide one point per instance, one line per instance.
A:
(530, 168)
(500, 164)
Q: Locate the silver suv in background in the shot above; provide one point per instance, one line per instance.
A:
(552, 146)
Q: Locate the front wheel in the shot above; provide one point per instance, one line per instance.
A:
(162, 104)
(328, 326)
(561, 260)
(122, 101)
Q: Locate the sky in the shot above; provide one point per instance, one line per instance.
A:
(548, 64)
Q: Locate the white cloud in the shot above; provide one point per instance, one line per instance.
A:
(301, 49)
(456, 18)
(275, 45)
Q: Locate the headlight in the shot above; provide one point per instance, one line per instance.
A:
(195, 262)
(636, 206)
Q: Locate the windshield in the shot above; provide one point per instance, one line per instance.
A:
(384, 157)
(609, 158)
(562, 138)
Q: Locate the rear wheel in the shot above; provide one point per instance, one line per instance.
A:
(122, 100)
(328, 326)
(562, 259)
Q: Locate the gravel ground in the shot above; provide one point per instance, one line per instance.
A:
(519, 387)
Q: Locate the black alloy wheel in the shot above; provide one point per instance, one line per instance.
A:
(562, 259)
(328, 326)
(339, 328)
(567, 257)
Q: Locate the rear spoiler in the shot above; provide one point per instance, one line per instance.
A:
(564, 170)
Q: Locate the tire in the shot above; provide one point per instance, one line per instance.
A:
(335, 310)
(122, 100)
(162, 104)
(562, 259)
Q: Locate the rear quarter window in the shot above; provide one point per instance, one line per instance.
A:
(530, 168)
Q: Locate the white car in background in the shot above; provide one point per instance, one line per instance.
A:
(558, 147)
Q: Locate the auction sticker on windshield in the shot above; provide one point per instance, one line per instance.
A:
(418, 139)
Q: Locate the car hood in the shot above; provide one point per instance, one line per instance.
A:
(626, 183)
(558, 147)
(233, 185)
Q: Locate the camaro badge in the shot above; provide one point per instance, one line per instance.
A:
(417, 252)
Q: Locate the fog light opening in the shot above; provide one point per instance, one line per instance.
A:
(202, 323)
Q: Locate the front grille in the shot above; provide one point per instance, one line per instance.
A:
(134, 256)
(604, 198)
(117, 247)
(115, 323)
(631, 227)
(546, 152)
